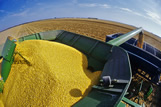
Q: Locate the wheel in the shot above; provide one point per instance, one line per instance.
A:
(106, 80)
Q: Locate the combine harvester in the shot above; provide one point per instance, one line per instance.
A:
(145, 59)
(108, 57)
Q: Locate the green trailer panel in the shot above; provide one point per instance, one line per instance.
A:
(112, 60)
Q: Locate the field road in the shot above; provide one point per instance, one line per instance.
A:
(89, 27)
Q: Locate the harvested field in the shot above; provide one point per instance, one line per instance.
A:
(89, 27)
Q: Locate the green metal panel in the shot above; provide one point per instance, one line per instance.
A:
(20, 39)
(6, 67)
(97, 99)
(121, 104)
(1, 48)
(120, 40)
(8, 49)
(50, 35)
(148, 92)
(96, 51)
(98, 54)
(130, 102)
(7, 53)
(117, 67)
(30, 37)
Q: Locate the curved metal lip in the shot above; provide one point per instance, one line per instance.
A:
(56, 34)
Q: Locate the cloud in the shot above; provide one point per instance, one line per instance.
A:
(132, 12)
(152, 14)
(22, 14)
(74, 1)
(95, 5)
(1, 11)
(151, 10)
(155, 17)
(74, 8)
(39, 4)
(126, 9)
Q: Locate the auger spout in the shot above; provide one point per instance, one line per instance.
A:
(123, 38)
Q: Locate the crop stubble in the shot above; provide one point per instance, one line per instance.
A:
(89, 27)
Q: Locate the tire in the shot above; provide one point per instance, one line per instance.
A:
(106, 80)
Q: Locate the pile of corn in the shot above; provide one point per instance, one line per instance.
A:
(56, 76)
(1, 86)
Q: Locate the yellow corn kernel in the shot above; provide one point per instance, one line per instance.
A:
(57, 77)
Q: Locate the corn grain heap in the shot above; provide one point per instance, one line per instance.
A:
(1, 103)
(57, 76)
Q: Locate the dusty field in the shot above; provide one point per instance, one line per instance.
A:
(90, 27)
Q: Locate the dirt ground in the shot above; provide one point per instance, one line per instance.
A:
(93, 28)
(89, 27)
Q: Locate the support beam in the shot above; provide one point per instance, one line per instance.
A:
(123, 38)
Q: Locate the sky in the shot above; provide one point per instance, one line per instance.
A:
(138, 13)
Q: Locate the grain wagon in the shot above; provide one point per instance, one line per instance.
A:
(108, 57)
